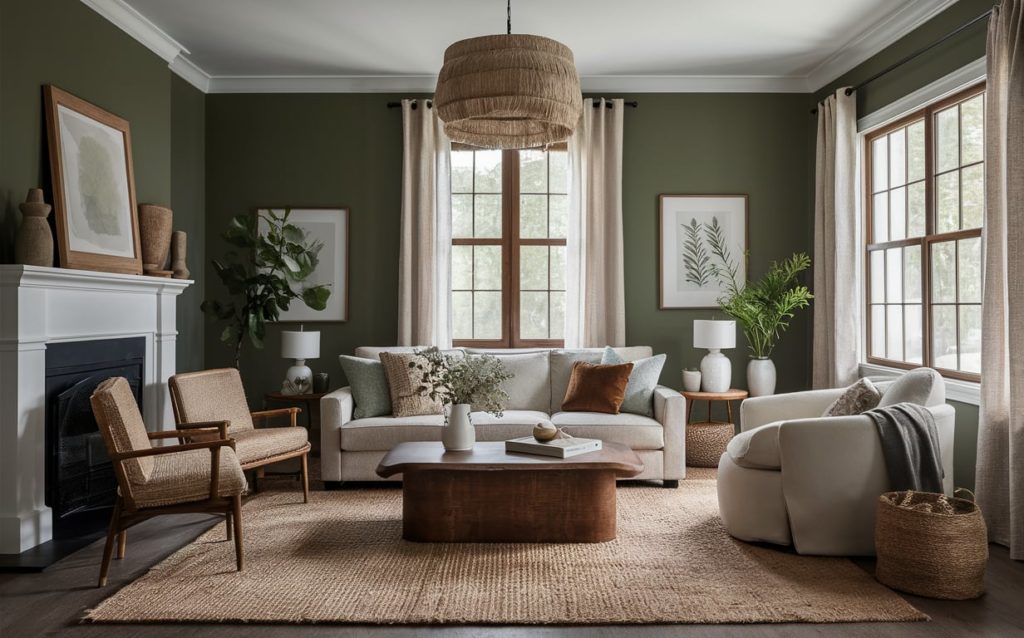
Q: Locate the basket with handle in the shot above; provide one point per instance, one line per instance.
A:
(931, 544)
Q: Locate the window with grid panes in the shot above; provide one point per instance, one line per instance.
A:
(925, 182)
(510, 215)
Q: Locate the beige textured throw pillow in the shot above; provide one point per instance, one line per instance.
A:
(858, 398)
(404, 383)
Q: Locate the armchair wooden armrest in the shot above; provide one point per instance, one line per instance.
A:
(220, 433)
(266, 414)
(220, 426)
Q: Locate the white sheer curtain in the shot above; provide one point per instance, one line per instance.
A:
(836, 248)
(595, 301)
(1000, 470)
(424, 264)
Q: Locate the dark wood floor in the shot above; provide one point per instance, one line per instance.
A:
(51, 604)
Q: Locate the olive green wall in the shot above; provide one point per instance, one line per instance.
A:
(951, 55)
(63, 42)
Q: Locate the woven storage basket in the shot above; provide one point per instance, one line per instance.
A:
(931, 545)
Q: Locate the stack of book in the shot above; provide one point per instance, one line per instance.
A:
(558, 448)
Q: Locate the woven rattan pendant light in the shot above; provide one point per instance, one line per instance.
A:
(508, 91)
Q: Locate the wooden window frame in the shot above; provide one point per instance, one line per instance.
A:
(510, 243)
(925, 242)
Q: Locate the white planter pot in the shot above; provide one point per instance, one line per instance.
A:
(459, 434)
(761, 377)
(691, 380)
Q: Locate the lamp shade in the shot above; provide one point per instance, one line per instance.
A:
(300, 345)
(714, 335)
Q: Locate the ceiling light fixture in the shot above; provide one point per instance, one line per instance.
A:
(508, 91)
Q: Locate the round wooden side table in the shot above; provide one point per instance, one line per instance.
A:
(706, 440)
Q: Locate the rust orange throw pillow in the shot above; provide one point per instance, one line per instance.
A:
(596, 388)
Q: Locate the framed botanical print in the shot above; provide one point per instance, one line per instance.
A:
(328, 227)
(93, 185)
(702, 248)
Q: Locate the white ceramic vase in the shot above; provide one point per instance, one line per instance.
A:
(715, 371)
(459, 434)
(761, 377)
(691, 380)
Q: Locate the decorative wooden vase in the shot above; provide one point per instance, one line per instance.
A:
(155, 230)
(33, 244)
(178, 248)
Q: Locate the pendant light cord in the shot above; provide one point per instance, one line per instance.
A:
(508, 11)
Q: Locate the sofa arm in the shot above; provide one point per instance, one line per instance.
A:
(335, 411)
(670, 411)
(759, 411)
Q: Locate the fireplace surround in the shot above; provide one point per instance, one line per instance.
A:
(49, 309)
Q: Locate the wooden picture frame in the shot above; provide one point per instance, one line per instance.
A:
(329, 225)
(687, 258)
(93, 185)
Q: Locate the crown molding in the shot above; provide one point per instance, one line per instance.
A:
(875, 38)
(138, 26)
(695, 83)
(187, 70)
(322, 83)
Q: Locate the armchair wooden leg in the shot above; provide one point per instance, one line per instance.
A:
(237, 516)
(227, 524)
(305, 477)
(122, 543)
(108, 548)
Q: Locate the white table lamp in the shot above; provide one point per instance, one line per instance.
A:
(715, 368)
(299, 345)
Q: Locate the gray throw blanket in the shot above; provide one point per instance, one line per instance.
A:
(910, 445)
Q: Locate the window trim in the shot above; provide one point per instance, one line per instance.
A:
(927, 114)
(511, 243)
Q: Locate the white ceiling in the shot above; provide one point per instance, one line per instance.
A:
(399, 44)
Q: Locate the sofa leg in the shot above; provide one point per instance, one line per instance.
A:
(330, 486)
(670, 484)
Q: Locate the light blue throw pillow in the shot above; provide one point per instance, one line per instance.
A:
(369, 386)
(643, 379)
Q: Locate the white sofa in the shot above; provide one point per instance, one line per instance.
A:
(792, 477)
(351, 449)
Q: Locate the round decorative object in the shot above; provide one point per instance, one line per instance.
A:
(321, 381)
(178, 249)
(545, 431)
(691, 380)
(508, 91)
(155, 231)
(33, 243)
(706, 442)
(761, 377)
(458, 435)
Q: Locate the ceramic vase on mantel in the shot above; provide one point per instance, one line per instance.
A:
(761, 377)
(155, 233)
(33, 243)
(459, 434)
(178, 248)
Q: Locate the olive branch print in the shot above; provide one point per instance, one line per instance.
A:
(696, 261)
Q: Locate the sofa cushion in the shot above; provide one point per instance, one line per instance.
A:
(639, 398)
(373, 352)
(858, 398)
(385, 432)
(757, 449)
(561, 369)
(530, 385)
(369, 386)
(636, 431)
(596, 388)
(922, 386)
(404, 382)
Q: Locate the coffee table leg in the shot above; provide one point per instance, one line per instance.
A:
(544, 506)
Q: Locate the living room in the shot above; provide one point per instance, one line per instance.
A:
(738, 279)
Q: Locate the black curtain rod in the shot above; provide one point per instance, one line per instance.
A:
(892, 67)
(396, 105)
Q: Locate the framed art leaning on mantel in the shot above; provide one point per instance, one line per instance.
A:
(702, 246)
(328, 227)
(93, 185)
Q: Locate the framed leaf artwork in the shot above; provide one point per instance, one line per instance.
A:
(93, 185)
(702, 247)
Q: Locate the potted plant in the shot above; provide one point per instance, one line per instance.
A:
(764, 310)
(260, 279)
(462, 384)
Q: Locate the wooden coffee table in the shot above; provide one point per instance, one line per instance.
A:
(487, 495)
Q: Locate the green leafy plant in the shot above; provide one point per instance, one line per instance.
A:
(765, 308)
(455, 379)
(261, 276)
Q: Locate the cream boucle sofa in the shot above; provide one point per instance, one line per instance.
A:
(351, 449)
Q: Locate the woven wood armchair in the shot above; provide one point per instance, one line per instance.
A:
(202, 476)
(214, 395)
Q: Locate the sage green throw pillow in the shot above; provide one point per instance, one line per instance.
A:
(643, 379)
(369, 386)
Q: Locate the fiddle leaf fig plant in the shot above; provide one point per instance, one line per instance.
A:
(261, 274)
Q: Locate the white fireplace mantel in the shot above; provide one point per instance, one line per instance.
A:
(41, 305)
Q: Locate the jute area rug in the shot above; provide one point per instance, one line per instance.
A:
(341, 559)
